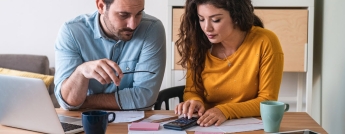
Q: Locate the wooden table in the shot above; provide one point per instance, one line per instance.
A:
(291, 121)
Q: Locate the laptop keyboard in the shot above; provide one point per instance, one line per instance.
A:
(68, 127)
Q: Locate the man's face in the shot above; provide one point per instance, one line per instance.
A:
(122, 18)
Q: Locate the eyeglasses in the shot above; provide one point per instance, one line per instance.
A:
(118, 95)
(138, 72)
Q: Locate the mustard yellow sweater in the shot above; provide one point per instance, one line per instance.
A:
(254, 75)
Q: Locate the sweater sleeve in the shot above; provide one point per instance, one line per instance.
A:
(190, 92)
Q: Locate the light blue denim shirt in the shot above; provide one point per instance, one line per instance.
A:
(82, 39)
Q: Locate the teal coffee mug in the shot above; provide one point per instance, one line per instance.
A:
(271, 114)
(96, 122)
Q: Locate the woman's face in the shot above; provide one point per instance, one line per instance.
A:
(215, 22)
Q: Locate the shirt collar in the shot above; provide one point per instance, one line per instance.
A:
(98, 32)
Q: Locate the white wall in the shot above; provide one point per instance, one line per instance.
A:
(31, 26)
(332, 64)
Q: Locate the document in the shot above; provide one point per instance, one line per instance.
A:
(127, 116)
(161, 130)
(241, 125)
(232, 126)
(212, 128)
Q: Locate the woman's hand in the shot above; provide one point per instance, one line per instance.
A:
(187, 108)
(210, 117)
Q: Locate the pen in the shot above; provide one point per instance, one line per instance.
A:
(164, 119)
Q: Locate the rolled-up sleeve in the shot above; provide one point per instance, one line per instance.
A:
(67, 58)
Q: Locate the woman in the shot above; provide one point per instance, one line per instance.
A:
(232, 62)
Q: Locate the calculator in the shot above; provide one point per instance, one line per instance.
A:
(181, 123)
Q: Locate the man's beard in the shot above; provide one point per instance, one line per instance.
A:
(117, 34)
(125, 37)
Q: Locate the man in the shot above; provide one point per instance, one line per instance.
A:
(111, 59)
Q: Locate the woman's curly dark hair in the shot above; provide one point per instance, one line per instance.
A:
(193, 44)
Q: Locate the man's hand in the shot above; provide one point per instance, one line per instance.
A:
(74, 88)
(102, 70)
(187, 108)
(210, 117)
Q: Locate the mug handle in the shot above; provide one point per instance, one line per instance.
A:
(287, 106)
(114, 116)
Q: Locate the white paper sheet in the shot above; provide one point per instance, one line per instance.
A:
(161, 130)
(231, 126)
(241, 125)
(241, 121)
(205, 129)
(127, 116)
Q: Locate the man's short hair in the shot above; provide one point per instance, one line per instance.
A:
(108, 3)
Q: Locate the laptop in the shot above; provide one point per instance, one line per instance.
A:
(25, 103)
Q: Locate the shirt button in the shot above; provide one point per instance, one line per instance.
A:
(127, 68)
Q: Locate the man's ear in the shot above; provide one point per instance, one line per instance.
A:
(100, 6)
